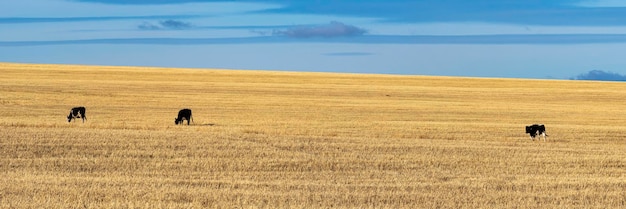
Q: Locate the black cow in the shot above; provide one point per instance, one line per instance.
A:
(184, 114)
(77, 112)
(536, 129)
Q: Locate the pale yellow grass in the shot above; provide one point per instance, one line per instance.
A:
(305, 140)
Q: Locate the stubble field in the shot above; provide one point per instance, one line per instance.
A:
(305, 140)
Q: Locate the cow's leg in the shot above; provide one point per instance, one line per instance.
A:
(76, 116)
(532, 136)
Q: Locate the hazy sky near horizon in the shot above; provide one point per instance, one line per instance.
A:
(482, 38)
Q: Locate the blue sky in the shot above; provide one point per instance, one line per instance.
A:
(482, 38)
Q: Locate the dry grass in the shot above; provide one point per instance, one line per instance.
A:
(305, 140)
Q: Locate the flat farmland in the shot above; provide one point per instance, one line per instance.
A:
(263, 139)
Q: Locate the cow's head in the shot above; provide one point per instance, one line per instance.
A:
(528, 129)
(176, 121)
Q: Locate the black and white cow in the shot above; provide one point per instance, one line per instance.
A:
(77, 112)
(536, 129)
(184, 114)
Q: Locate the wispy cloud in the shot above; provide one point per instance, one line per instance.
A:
(16, 20)
(175, 24)
(148, 26)
(333, 29)
(165, 24)
(366, 39)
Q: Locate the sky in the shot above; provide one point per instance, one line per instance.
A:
(557, 39)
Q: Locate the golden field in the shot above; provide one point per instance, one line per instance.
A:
(266, 139)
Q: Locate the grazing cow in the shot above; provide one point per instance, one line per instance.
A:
(536, 129)
(77, 112)
(184, 114)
